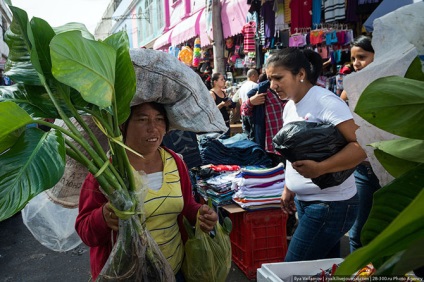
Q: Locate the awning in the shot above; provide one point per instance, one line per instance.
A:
(186, 29)
(233, 17)
(163, 40)
(384, 8)
(204, 38)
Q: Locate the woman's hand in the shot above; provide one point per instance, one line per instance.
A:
(110, 217)
(208, 218)
(287, 201)
(258, 99)
(226, 103)
(307, 168)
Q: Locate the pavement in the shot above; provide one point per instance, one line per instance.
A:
(24, 259)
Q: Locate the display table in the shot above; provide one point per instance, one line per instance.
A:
(236, 128)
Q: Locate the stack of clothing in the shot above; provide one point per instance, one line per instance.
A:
(259, 188)
(217, 187)
(236, 150)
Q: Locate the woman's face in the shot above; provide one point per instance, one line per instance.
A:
(146, 129)
(220, 82)
(360, 58)
(284, 83)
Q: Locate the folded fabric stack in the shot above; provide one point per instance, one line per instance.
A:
(259, 188)
(218, 187)
(232, 151)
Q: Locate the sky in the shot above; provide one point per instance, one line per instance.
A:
(59, 12)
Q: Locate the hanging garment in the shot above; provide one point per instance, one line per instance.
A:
(301, 14)
(268, 15)
(316, 13)
(248, 32)
(334, 10)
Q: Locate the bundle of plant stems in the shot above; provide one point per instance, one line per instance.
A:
(63, 73)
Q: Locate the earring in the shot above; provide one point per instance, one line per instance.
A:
(301, 80)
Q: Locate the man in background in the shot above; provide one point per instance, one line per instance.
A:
(241, 94)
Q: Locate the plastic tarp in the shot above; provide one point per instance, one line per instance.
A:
(397, 41)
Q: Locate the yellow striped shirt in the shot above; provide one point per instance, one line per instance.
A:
(162, 208)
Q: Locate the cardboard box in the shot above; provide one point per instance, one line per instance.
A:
(284, 271)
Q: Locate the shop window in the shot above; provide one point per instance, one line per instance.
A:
(160, 14)
(140, 25)
(148, 13)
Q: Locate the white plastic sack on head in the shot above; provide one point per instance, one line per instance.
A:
(163, 79)
(397, 41)
(51, 224)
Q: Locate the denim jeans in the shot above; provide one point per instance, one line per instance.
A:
(366, 183)
(321, 226)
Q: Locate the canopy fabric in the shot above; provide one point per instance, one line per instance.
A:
(385, 7)
(233, 17)
(163, 40)
(187, 28)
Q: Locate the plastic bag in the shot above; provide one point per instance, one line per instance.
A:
(51, 224)
(207, 258)
(301, 140)
(135, 256)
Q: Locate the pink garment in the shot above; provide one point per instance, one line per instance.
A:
(248, 32)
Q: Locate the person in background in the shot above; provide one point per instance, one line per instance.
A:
(223, 102)
(367, 183)
(263, 117)
(250, 83)
(262, 77)
(324, 215)
(169, 196)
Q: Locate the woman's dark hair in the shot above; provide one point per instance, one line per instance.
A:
(215, 77)
(159, 107)
(294, 59)
(363, 42)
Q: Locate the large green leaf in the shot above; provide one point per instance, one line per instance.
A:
(33, 99)
(400, 155)
(393, 165)
(12, 118)
(403, 148)
(74, 26)
(18, 65)
(394, 104)
(35, 163)
(86, 65)
(40, 38)
(125, 82)
(401, 233)
(404, 261)
(415, 70)
(391, 200)
(16, 93)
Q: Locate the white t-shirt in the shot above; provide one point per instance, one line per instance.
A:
(245, 88)
(318, 105)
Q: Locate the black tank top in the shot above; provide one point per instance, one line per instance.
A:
(223, 110)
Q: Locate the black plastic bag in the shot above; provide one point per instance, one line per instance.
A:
(302, 140)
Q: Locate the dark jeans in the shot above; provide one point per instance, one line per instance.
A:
(321, 226)
(366, 183)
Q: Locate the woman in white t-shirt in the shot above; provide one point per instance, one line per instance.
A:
(325, 215)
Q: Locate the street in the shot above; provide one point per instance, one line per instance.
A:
(23, 258)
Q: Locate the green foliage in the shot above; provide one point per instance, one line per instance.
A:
(61, 73)
(393, 235)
